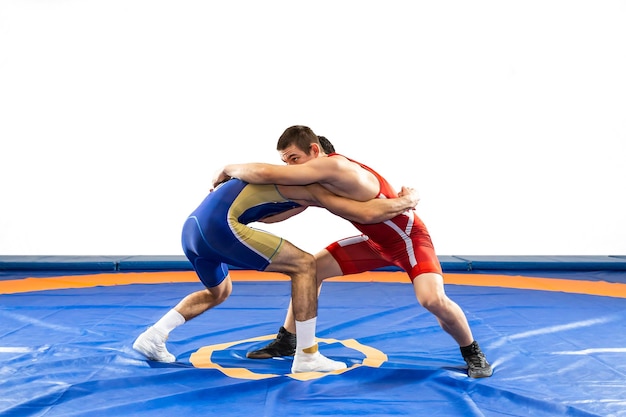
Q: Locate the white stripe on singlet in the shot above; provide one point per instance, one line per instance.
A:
(405, 235)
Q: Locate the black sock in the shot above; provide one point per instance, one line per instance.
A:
(470, 350)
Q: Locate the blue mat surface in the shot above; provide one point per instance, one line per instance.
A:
(67, 352)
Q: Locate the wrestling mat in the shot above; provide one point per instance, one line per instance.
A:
(555, 336)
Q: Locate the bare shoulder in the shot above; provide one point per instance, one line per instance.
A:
(332, 165)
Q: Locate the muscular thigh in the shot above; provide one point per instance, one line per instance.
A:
(290, 259)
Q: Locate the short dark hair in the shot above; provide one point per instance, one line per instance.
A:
(303, 137)
(326, 145)
(300, 136)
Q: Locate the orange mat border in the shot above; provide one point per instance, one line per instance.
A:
(601, 288)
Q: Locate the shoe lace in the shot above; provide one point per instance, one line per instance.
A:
(273, 343)
(477, 360)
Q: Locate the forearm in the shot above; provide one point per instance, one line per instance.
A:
(253, 173)
(365, 212)
(262, 173)
(379, 210)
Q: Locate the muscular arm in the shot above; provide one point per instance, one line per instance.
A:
(376, 210)
(319, 170)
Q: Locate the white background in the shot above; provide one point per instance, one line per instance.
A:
(509, 117)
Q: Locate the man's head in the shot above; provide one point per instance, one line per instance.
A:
(299, 144)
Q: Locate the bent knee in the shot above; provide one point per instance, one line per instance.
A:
(433, 302)
(306, 263)
(220, 293)
(222, 296)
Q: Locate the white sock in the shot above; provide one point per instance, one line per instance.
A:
(306, 334)
(169, 322)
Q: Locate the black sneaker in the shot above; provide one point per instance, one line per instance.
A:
(283, 345)
(477, 365)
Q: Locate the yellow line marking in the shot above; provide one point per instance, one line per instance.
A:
(202, 358)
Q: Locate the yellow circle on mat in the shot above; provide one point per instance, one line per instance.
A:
(202, 359)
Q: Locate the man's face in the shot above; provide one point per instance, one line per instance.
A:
(293, 155)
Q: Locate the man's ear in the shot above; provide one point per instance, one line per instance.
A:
(315, 150)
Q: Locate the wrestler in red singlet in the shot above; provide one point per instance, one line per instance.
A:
(402, 241)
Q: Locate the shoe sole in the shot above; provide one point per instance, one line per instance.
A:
(296, 371)
(252, 355)
(480, 375)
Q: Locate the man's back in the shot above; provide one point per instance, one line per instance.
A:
(238, 201)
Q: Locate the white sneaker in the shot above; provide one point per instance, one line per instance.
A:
(151, 344)
(314, 362)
